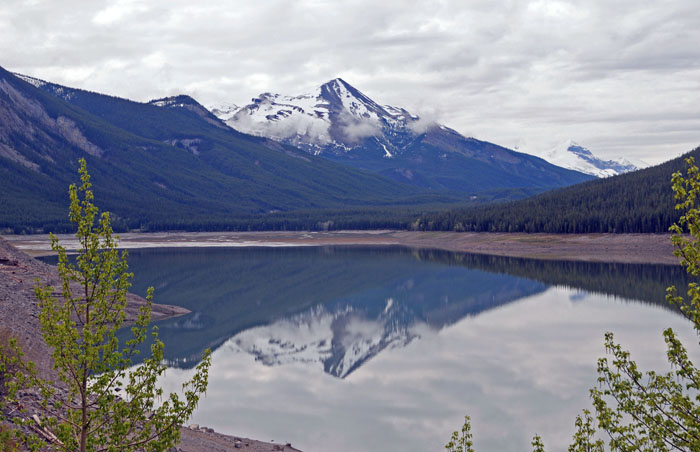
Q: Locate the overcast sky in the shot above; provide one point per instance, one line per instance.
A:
(620, 77)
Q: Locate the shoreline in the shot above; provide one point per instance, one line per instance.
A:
(19, 318)
(615, 248)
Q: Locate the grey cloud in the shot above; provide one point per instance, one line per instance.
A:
(421, 125)
(355, 130)
(506, 71)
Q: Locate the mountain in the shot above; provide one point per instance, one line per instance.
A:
(165, 164)
(571, 155)
(225, 111)
(340, 123)
(638, 202)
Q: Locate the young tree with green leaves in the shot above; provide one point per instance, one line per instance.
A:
(99, 403)
(461, 441)
(648, 411)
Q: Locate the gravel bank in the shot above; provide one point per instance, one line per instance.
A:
(622, 248)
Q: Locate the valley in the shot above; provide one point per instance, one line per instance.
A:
(320, 237)
(349, 226)
(379, 166)
(331, 160)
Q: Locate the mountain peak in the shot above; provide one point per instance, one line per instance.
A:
(339, 89)
(570, 154)
(337, 82)
(335, 118)
(179, 100)
(575, 148)
(188, 103)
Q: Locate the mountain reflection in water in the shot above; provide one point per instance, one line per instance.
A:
(337, 307)
(388, 348)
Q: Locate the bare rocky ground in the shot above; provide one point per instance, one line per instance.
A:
(19, 318)
(617, 248)
(622, 248)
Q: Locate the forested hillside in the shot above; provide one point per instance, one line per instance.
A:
(158, 166)
(638, 202)
(172, 165)
(641, 201)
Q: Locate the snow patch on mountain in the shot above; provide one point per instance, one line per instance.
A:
(31, 80)
(57, 90)
(387, 154)
(167, 102)
(297, 120)
(224, 111)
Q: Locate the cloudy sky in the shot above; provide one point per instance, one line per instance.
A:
(620, 77)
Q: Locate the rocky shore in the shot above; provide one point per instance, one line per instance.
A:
(618, 248)
(19, 318)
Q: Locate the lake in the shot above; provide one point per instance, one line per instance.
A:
(386, 349)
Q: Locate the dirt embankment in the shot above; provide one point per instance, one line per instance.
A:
(19, 318)
(618, 248)
(622, 248)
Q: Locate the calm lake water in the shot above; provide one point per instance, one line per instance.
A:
(386, 349)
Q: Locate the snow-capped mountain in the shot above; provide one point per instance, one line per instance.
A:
(339, 122)
(570, 154)
(335, 118)
(224, 111)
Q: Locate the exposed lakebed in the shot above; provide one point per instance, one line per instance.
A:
(386, 348)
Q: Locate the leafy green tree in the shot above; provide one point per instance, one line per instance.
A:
(537, 444)
(584, 440)
(98, 403)
(461, 441)
(658, 411)
(650, 411)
